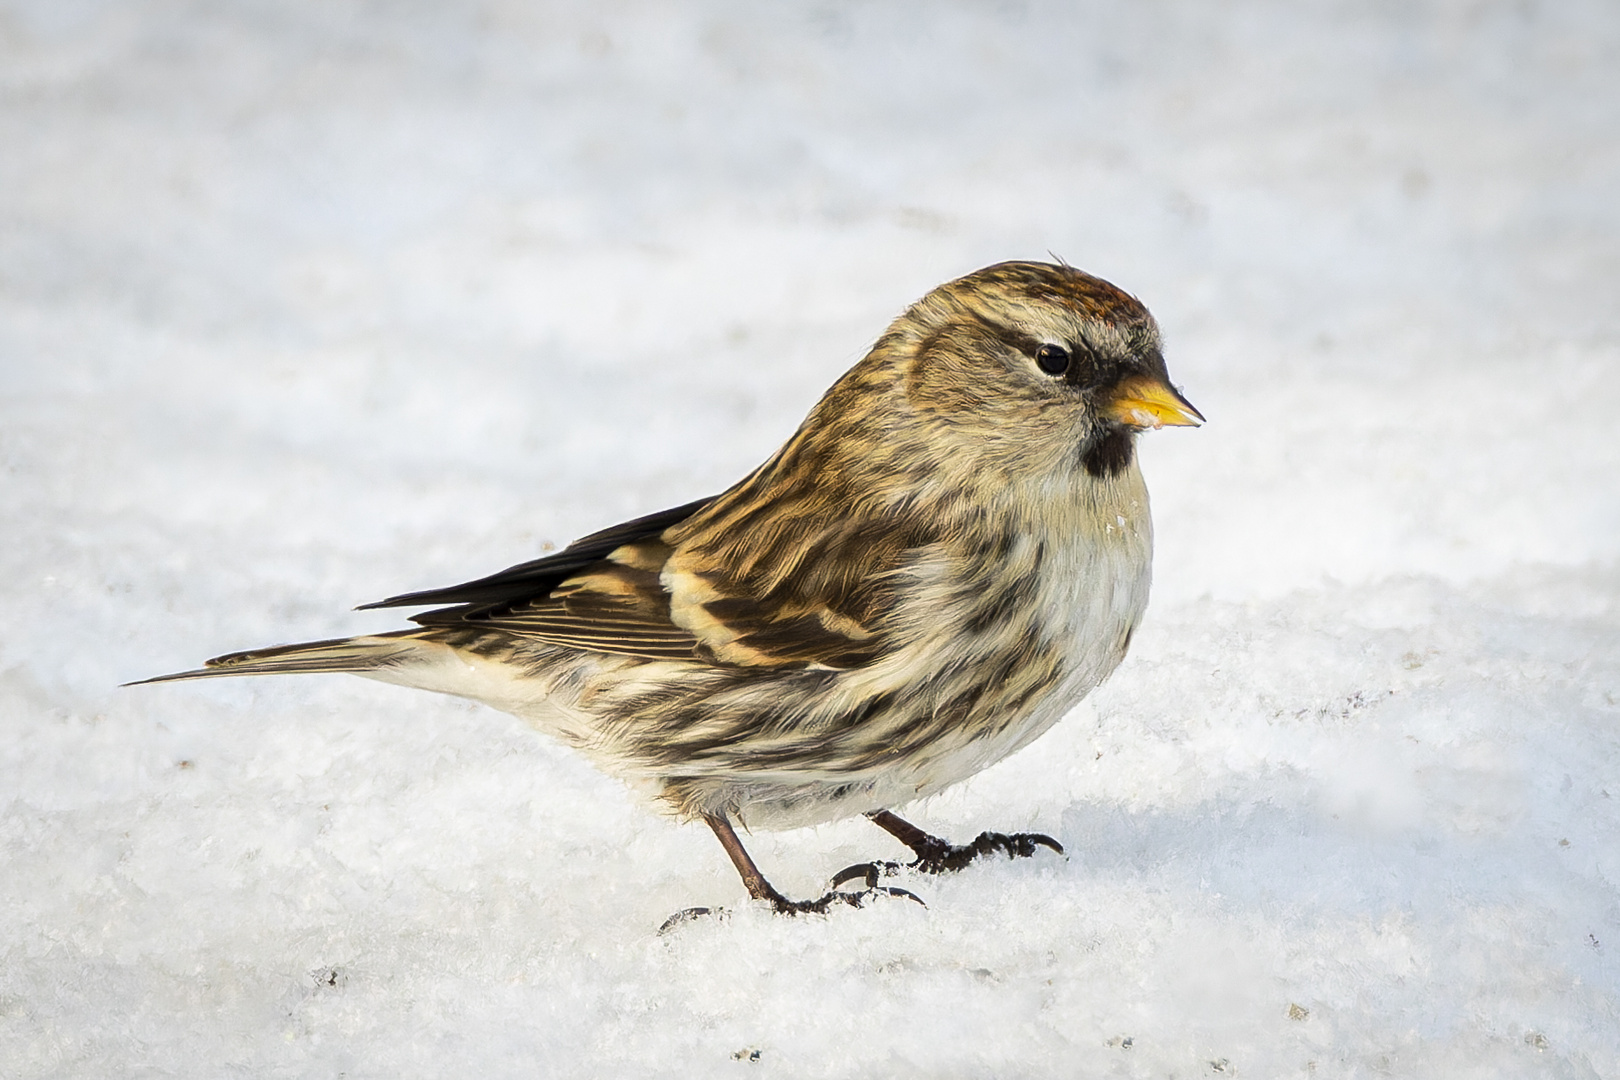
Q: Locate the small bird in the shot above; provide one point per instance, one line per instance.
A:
(952, 550)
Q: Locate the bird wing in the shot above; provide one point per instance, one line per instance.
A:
(815, 586)
(685, 585)
(613, 605)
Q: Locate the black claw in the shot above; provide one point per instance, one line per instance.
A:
(859, 899)
(868, 872)
(889, 890)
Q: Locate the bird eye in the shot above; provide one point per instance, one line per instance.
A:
(1052, 359)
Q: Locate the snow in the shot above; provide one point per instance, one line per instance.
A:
(307, 304)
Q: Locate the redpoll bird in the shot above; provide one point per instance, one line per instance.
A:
(952, 550)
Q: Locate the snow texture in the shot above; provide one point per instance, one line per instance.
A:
(305, 303)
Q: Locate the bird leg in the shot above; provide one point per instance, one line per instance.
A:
(760, 889)
(936, 856)
(754, 881)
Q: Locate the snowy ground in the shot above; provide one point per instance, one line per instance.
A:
(305, 304)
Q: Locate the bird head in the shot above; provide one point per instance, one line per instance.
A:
(1037, 361)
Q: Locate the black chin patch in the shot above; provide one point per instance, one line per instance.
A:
(1110, 454)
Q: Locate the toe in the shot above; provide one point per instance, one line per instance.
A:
(1015, 846)
(691, 914)
(889, 890)
(868, 872)
(853, 898)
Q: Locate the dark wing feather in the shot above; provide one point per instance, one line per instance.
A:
(813, 590)
(601, 593)
(535, 579)
(615, 605)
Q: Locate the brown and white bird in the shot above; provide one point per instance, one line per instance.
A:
(952, 550)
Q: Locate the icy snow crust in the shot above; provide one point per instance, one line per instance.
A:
(306, 304)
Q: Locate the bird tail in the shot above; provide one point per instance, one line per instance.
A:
(367, 655)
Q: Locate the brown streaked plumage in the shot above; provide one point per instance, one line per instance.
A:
(952, 550)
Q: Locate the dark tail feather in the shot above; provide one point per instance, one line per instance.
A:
(354, 655)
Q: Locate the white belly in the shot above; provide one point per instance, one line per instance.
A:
(1096, 580)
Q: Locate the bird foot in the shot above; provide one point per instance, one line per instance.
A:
(836, 895)
(936, 856)
(866, 873)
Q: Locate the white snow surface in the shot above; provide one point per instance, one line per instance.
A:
(303, 304)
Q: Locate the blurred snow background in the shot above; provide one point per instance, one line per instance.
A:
(304, 304)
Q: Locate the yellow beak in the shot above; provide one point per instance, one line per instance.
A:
(1143, 401)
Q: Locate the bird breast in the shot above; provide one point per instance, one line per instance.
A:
(1014, 640)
